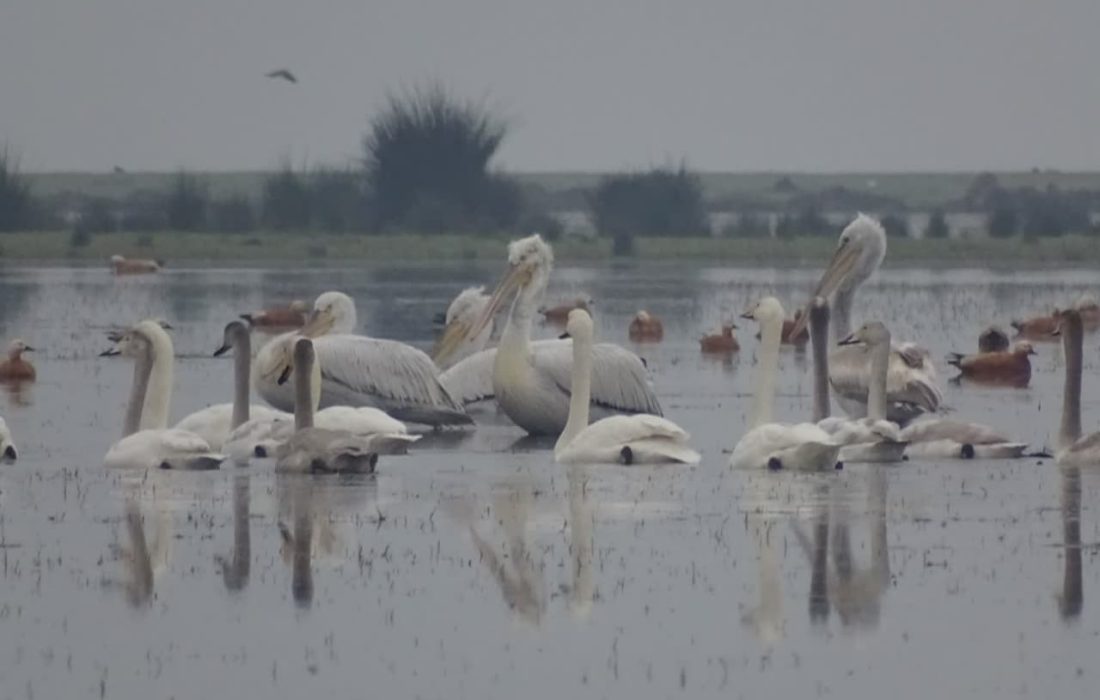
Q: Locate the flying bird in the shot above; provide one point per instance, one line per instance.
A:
(282, 73)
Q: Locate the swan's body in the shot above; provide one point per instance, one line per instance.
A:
(215, 423)
(312, 448)
(530, 381)
(8, 452)
(803, 446)
(911, 380)
(869, 439)
(148, 443)
(14, 367)
(359, 371)
(466, 308)
(1074, 450)
(634, 439)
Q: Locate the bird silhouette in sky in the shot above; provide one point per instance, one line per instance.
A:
(283, 74)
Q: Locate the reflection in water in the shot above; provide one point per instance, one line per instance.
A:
(301, 578)
(143, 559)
(857, 593)
(235, 567)
(1072, 599)
(19, 391)
(581, 541)
(766, 619)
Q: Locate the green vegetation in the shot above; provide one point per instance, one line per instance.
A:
(658, 202)
(293, 247)
(16, 202)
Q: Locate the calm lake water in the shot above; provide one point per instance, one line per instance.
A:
(476, 567)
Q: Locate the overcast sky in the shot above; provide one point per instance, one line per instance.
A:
(812, 85)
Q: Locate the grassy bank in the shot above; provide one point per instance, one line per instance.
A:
(274, 247)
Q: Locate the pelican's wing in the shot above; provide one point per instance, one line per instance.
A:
(471, 379)
(619, 379)
(386, 374)
(910, 377)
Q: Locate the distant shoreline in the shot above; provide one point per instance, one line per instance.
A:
(55, 248)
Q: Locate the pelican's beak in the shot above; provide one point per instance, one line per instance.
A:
(222, 350)
(110, 353)
(458, 331)
(850, 340)
(283, 376)
(318, 323)
(840, 266)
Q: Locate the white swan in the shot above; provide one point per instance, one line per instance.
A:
(147, 442)
(911, 381)
(870, 439)
(249, 434)
(465, 309)
(778, 445)
(530, 381)
(1073, 449)
(634, 439)
(313, 449)
(359, 371)
(8, 453)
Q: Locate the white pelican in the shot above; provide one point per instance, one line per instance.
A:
(249, 435)
(359, 371)
(911, 382)
(313, 449)
(635, 439)
(530, 381)
(778, 445)
(870, 439)
(466, 308)
(1073, 449)
(147, 441)
(8, 452)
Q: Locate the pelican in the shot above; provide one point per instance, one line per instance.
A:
(635, 439)
(134, 266)
(14, 366)
(721, 342)
(147, 441)
(359, 371)
(1001, 366)
(467, 307)
(770, 445)
(8, 452)
(279, 318)
(1074, 450)
(312, 449)
(530, 381)
(249, 435)
(870, 439)
(911, 383)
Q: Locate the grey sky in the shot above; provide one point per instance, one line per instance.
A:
(590, 84)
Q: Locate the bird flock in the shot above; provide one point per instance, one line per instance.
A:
(336, 401)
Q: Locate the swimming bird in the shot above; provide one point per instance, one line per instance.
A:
(789, 325)
(869, 439)
(639, 438)
(465, 309)
(282, 74)
(646, 328)
(8, 453)
(279, 318)
(530, 380)
(359, 371)
(993, 339)
(721, 342)
(911, 386)
(1003, 367)
(147, 442)
(1073, 449)
(134, 266)
(1037, 328)
(313, 449)
(14, 366)
(802, 446)
(559, 315)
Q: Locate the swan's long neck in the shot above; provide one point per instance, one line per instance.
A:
(876, 389)
(819, 337)
(581, 392)
(154, 415)
(1072, 341)
(242, 367)
(842, 311)
(771, 332)
(304, 405)
(143, 367)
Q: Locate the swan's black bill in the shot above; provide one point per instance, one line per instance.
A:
(110, 353)
(564, 335)
(850, 340)
(221, 351)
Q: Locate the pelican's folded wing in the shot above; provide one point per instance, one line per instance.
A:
(619, 379)
(471, 379)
